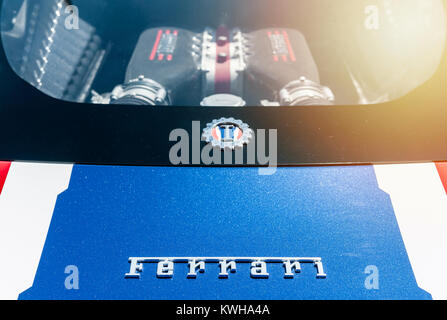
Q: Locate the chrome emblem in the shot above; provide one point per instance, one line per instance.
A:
(227, 265)
(227, 133)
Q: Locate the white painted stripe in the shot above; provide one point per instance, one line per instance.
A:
(30, 192)
(26, 207)
(420, 205)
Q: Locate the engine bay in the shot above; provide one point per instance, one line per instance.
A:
(224, 53)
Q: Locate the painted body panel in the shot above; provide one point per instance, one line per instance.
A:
(107, 214)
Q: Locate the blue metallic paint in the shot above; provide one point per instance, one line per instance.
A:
(111, 213)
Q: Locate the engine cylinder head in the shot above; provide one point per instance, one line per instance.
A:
(304, 92)
(140, 91)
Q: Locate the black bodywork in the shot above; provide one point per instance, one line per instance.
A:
(39, 128)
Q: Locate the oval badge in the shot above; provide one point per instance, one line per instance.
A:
(227, 133)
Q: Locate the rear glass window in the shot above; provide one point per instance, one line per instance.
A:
(224, 53)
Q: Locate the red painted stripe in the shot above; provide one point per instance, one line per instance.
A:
(215, 135)
(289, 46)
(222, 79)
(157, 42)
(442, 169)
(4, 169)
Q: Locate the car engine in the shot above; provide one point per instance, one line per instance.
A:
(224, 53)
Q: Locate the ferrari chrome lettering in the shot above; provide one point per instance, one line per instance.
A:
(259, 269)
(227, 265)
(165, 269)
